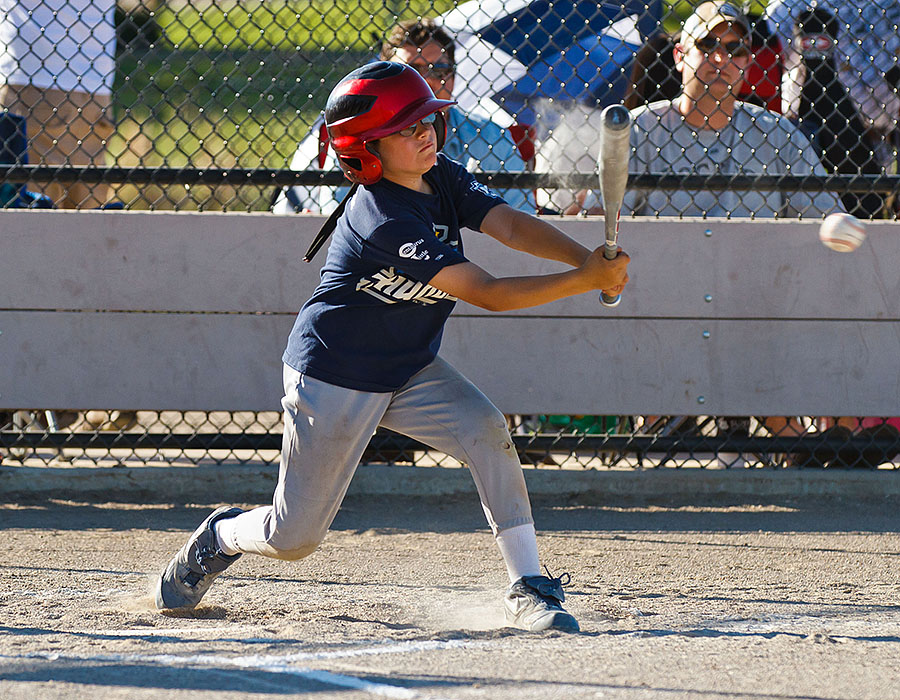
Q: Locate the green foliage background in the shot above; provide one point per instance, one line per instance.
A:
(235, 83)
(239, 82)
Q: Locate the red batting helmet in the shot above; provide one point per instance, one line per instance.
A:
(370, 103)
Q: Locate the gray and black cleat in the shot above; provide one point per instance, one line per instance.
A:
(191, 572)
(535, 603)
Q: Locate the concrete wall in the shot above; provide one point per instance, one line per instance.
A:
(191, 311)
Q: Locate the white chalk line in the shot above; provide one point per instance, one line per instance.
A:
(279, 663)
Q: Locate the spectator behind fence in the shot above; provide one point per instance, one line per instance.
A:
(473, 140)
(840, 80)
(14, 151)
(654, 78)
(57, 61)
(706, 131)
(869, 430)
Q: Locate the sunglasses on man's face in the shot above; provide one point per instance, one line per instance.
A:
(735, 49)
(425, 121)
(441, 71)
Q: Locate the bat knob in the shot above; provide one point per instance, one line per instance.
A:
(610, 301)
(616, 117)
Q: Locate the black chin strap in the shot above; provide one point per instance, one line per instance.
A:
(329, 225)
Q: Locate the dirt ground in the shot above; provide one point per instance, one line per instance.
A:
(777, 600)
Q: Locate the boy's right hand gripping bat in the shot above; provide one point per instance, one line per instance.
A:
(615, 150)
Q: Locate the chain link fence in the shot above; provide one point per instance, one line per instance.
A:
(119, 438)
(207, 104)
(215, 105)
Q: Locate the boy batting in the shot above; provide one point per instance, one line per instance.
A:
(363, 352)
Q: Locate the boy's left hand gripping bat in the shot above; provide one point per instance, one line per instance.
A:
(615, 151)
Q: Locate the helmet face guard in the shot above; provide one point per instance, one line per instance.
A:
(372, 102)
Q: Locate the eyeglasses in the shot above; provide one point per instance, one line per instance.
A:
(735, 49)
(426, 121)
(441, 71)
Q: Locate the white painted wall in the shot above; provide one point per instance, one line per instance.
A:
(191, 311)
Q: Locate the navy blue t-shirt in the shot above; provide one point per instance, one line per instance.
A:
(374, 320)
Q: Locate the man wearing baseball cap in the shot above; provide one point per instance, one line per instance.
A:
(706, 130)
(712, 55)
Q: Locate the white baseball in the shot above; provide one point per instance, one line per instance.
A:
(842, 232)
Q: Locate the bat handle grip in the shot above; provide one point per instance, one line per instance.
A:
(610, 252)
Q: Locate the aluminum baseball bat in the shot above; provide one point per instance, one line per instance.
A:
(615, 150)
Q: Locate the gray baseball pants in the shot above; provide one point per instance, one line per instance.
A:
(327, 428)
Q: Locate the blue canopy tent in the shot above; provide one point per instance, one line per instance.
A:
(520, 55)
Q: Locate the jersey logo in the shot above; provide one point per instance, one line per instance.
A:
(411, 250)
(391, 287)
(476, 186)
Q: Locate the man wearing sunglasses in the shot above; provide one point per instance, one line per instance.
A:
(474, 140)
(706, 130)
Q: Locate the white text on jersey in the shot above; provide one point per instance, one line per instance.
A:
(391, 287)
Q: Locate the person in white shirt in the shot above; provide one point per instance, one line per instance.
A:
(707, 131)
(57, 63)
